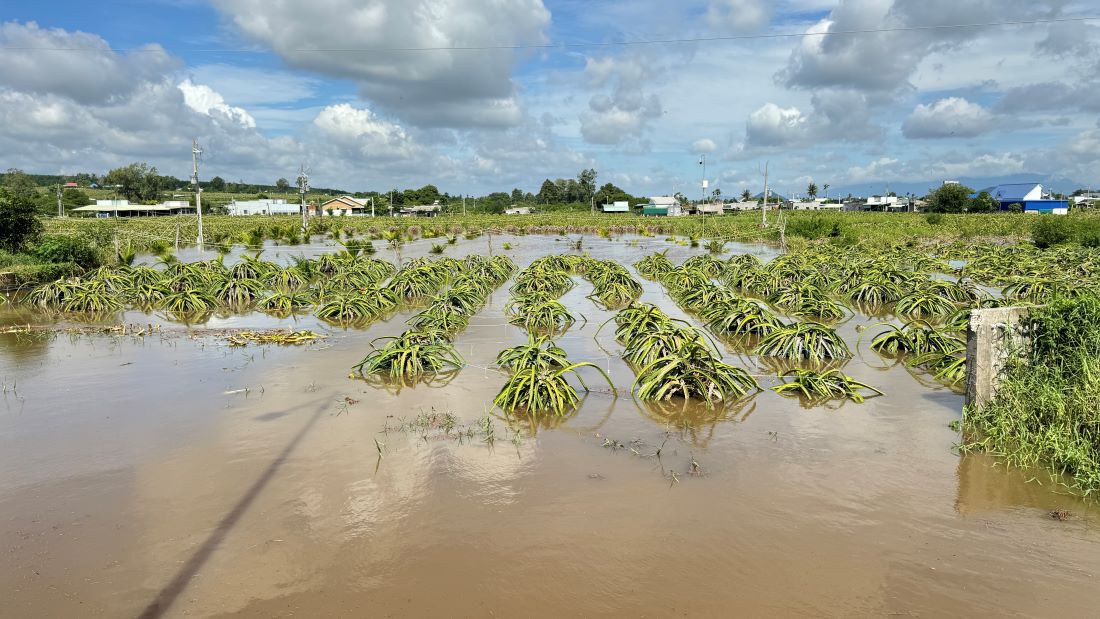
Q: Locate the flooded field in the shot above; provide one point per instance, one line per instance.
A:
(172, 475)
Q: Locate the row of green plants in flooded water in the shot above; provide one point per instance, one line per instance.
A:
(814, 290)
(741, 320)
(460, 288)
(344, 288)
(539, 370)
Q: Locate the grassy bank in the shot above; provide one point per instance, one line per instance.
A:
(845, 228)
(1048, 409)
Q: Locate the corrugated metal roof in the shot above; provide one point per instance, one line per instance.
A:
(1012, 191)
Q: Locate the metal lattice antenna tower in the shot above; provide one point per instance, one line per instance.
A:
(196, 157)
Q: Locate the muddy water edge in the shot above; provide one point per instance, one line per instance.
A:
(171, 475)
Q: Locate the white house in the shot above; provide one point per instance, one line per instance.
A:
(747, 205)
(881, 203)
(663, 205)
(267, 206)
(345, 205)
(518, 210)
(619, 206)
(123, 208)
(814, 205)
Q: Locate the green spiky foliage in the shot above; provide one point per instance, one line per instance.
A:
(418, 279)
(915, 337)
(637, 319)
(539, 352)
(613, 287)
(440, 317)
(924, 305)
(91, 297)
(709, 266)
(345, 308)
(187, 302)
(681, 279)
(536, 390)
(642, 348)
(291, 278)
(820, 386)
(252, 267)
(53, 295)
(949, 367)
(285, 302)
(144, 275)
(807, 300)
(693, 372)
(239, 293)
(411, 354)
(873, 293)
(812, 341)
(654, 266)
(698, 298)
(545, 281)
(538, 313)
(146, 296)
(738, 317)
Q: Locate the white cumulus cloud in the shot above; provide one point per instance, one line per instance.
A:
(204, 100)
(953, 117)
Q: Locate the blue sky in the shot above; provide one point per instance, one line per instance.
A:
(900, 109)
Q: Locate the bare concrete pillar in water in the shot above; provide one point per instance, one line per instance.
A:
(994, 334)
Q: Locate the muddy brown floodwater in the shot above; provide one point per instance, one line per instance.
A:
(170, 476)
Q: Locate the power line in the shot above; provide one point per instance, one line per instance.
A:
(597, 44)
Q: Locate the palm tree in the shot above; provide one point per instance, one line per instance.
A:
(746, 195)
(812, 190)
(826, 188)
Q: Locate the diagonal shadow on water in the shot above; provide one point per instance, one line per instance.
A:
(179, 582)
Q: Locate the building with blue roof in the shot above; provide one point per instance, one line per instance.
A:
(1027, 197)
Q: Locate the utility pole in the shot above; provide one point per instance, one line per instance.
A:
(372, 207)
(703, 184)
(196, 154)
(764, 208)
(303, 187)
(391, 203)
(60, 207)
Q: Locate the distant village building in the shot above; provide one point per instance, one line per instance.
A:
(344, 206)
(747, 205)
(881, 203)
(1028, 197)
(518, 210)
(123, 208)
(421, 210)
(619, 206)
(662, 206)
(815, 205)
(266, 206)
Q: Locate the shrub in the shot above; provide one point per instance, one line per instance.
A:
(1051, 231)
(934, 219)
(815, 227)
(75, 249)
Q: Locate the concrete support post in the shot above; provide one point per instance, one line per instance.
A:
(994, 335)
